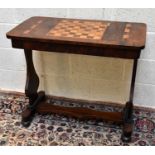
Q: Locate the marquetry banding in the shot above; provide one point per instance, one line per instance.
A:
(79, 29)
(40, 21)
(128, 25)
(32, 27)
(125, 36)
(127, 31)
(26, 32)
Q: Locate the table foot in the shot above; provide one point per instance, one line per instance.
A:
(127, 122)
(27, 117)
(127, 133)
(28, 113)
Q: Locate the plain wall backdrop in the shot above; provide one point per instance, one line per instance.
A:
(79, 76)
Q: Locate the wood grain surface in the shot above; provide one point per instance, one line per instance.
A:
(84, 32)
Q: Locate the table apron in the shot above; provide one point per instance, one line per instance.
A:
(78, 49)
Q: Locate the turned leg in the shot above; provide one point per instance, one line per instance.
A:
(128, 110)
(32, 84)
(127, 122)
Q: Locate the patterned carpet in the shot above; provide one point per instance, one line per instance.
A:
(57, 130)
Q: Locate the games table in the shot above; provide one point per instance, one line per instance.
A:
(88, 37)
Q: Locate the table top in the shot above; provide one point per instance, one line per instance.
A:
(83, 32)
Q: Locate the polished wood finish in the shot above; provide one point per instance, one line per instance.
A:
(78, 49)
(88, 37)
(127, 122)
(30, 110)
(32, 79)
(81, 113)
(38, 28)
(133, 80)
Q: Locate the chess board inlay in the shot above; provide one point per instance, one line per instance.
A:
(79, 29)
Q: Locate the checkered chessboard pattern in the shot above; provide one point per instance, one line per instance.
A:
(79, 29)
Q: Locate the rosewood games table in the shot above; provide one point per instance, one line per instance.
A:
(88, 37)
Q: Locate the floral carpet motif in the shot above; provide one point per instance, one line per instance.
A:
(58, 130)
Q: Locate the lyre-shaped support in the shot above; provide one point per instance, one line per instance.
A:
(31, 87)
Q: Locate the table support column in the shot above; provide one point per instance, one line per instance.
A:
(32, 79)
(128, 110)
